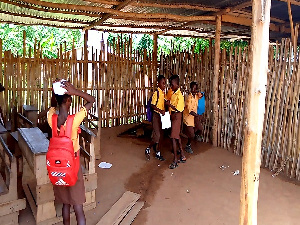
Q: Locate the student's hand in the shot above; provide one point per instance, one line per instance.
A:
(162, 112)
(71, 90)
(200, 95)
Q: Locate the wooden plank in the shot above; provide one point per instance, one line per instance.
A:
(129, 218)
(11, 207)
(117, 212)
(10, 219)
(255, 115)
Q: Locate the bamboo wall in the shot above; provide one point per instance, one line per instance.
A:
(122, 81)
(281, 130)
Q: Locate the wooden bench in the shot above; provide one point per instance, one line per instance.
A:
(36, 184)
(10, 205)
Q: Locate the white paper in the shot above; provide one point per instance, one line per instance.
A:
(165, 120)
(58, 89)
(105, 165)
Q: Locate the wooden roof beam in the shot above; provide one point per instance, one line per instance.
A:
(248, 22)
(108, 15)
(70, 7)
(141, 3)
(293, 2)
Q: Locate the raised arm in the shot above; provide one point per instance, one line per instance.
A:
(71, 90)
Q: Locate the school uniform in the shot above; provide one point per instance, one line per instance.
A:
(188, 119)
(156, 120)
(200, 111)
(177, 101)
(73, 195)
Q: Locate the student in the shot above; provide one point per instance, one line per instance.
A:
(200, 119)
(158, 106)
(190, 115)
(72, 195)
(176, 105)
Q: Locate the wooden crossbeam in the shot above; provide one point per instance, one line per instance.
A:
(69, 7)
(43, 18)
(293, 2)
(161, 5)
(108, 15)
(246, 22)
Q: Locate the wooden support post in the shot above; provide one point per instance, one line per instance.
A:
(216, 78)
(255, 114)
(154, 54)
(291, 24)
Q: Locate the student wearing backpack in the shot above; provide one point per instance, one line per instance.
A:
(70, 195)
(158, 107)
(176, 107)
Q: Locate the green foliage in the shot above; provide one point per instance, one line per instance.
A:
(146, 42)
(49, 37)
(237, 43)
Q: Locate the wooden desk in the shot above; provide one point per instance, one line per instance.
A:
(36, 183)
(31, 112)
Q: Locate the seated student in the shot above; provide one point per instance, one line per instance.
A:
(158, 105)
(190, 115)
(71, 195)
(176, 105)
(200, 119)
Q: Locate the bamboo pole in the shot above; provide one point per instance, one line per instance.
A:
(255, 115)
(215, 79)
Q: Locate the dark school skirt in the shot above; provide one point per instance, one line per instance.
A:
(189, 131)
(176, 118)
(199, 120)
(74, 195)
(157, 130)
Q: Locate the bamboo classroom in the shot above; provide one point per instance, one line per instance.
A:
(122, 80)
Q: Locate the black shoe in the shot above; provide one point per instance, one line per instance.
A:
(188, 149)
(159, 157)
(147, 153)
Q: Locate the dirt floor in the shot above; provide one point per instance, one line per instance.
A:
(197, 192)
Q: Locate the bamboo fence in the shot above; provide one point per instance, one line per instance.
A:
(122, 80)
(281, 130)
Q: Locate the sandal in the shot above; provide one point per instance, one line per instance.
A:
(173, 165)
(147, 153)
(182, 159)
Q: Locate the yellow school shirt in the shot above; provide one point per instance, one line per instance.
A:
(161, 100)
(177, 101)
(191, 105)
(169, 94)
(79, 116)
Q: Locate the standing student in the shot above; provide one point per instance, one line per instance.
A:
(158, 106)
(200, 118)
(71, 195)
(176, 106)
(190, 115)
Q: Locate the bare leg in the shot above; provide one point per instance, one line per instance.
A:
(80, 217)
(174, 149)
(66, 214)
(180, 148)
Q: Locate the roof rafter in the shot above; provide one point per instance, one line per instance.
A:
(293, 2)
(70, 7)
(160, 5)
(108, 15)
